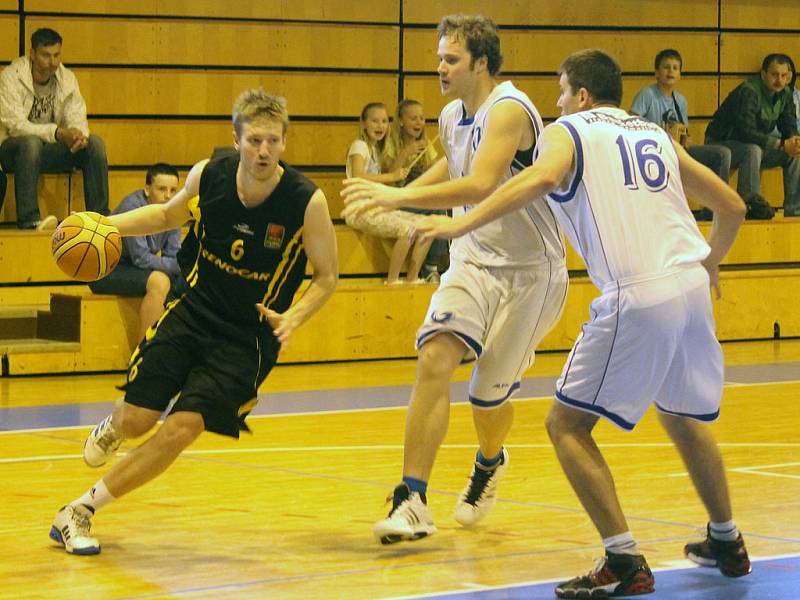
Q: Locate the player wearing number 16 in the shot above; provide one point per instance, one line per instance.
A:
(616, 183)
(258, 222)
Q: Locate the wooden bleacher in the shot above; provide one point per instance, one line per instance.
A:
(81, 332)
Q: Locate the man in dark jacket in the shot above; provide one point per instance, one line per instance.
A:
(746, 118)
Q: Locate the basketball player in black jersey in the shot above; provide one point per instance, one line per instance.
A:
(258, 221)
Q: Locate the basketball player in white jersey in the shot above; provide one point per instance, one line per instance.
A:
(506, 285)
(616, 183)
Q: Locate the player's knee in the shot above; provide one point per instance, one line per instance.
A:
(437, 360)
(132, 421)
(181, 429)
(158, 285)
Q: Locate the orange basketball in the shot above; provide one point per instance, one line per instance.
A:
(86, 246)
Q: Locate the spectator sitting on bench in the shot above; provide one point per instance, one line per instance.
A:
(43, 128)
(148, 266)
(743, 123)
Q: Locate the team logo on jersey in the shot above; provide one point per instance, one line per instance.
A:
(476, 138)
(274, 238)
(442, 317)
(244, 228)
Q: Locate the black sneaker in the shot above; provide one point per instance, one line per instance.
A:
(480, 494)
(615, 575)
(729, 557)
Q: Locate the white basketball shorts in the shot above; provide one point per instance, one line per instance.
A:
(648, 341)
(501, 314)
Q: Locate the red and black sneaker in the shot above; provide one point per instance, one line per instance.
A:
(615, 575)
(729, 557)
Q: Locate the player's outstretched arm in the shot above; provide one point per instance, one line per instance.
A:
(154, 218)
(728, 208)
(553, 164)
(319, 242)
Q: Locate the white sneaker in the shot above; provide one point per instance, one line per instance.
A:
(480, 494)
(101, 443)
(49, 223)
(410, 518)
(71, 529)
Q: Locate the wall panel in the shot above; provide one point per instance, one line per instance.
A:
(740, 52)
(760, 14)
(544, 50)
(635, 13)
(9, 37)
(192, 92)
(234, 43)
(317, 10)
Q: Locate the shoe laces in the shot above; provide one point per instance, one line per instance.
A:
(479, 483)
(81, 522)
(109, 438)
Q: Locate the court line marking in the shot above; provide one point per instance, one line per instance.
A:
(678, 566)
(345, 410)
(755, 470)
(371, 448)
(233, 586)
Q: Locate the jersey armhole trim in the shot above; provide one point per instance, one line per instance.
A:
(578, 177)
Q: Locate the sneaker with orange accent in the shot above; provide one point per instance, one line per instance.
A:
(729, 557)
(615, 575)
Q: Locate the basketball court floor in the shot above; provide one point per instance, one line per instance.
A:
(287, 512)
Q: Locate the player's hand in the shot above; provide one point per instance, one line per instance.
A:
(282, 324)
(713, 276)
(439, 227)
(362, 196)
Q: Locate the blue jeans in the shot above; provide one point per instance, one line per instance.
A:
(751, 158)
(715, 157)
(26, 156)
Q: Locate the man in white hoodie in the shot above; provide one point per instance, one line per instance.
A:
(43, 128)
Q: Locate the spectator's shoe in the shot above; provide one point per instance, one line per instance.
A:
(432, 277)
(102, 442)
(49, 223)
(410, 518)
(615, 575)
(729, 557)
(480, 494)
(71, 529)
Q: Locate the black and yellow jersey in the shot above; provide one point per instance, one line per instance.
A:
(247, 255)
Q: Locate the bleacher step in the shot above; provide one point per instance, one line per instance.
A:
(36, 346)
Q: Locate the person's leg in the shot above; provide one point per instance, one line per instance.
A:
(492, 427)
(747, 159)
(791, 179)
(703, 460)
(23, 156)
(94, 165)
(417, 257)
(570, 431)
(715, 157)
(152, 307)
(429, 407)
(396, 259)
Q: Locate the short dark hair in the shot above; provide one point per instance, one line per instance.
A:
(781, 59)
(160, 169)
(595, 71)
(479, 35)
(668, 53)
(45, 37)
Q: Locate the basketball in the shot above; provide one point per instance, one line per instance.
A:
(86, 246)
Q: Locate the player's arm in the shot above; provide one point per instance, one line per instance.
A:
(154, 218)
(728, 208)
(506, 125)
(555, 157)
(319, 242)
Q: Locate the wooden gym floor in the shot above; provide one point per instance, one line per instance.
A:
(288, 511)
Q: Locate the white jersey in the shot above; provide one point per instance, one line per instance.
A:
(623, 207)
(526, 237)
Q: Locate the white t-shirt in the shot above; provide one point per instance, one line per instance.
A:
(528, 236)
(623, 207)
(372, 161)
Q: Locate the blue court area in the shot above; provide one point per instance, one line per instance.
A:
(777, 578)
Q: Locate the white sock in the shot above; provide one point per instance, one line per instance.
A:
(622, 543)
(725, 532)
(95, 497)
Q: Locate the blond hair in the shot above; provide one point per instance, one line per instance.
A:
(395, 142)
(257, 105)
